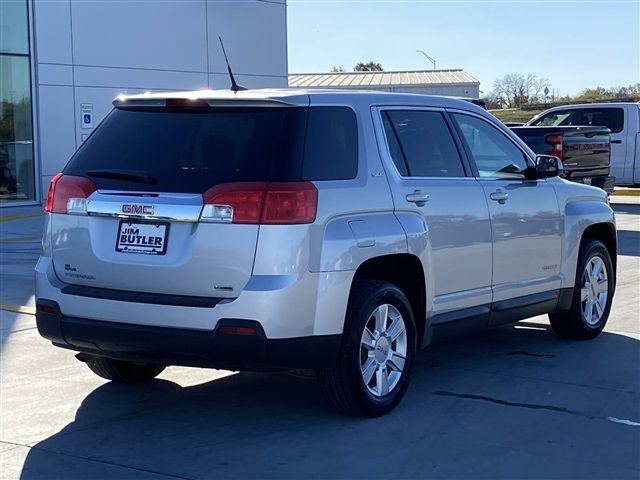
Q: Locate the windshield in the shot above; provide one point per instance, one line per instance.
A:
(557, 118)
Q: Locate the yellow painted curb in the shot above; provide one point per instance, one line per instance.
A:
(627, 192)
(21, 239)
(17, 308)
(19, 216)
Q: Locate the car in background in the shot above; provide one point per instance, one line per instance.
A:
(622, 119)
(584, 151)
(8, 183)
(16, 170)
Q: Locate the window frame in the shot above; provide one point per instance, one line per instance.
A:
(474, 167)
(385, 150)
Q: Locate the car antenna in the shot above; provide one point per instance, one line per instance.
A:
(234, 86)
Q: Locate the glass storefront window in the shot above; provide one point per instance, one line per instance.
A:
(14, 27)
(17, 172)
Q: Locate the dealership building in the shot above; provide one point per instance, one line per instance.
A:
(452, 82)
(62, 63)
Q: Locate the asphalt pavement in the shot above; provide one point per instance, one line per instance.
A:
(514, 402)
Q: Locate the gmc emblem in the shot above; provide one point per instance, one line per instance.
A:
(137, 209)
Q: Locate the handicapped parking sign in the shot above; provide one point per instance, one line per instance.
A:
(86, 110)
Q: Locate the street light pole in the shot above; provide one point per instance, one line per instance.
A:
(428, 57)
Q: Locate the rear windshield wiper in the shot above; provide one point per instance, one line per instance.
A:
(126, 175)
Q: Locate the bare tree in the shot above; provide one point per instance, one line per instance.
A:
(516, 89)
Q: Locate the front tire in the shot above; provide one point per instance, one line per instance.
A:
(377, 355)
(123, 372)
(592, 295)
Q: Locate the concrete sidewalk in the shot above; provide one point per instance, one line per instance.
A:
(20, 240)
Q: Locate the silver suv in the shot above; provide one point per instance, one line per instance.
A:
(327, 230)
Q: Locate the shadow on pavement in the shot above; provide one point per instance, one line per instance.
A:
(628, 208)
(515, 402)
(629, 242)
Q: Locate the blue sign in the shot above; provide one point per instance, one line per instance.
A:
(87, 118)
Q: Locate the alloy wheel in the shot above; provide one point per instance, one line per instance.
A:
(594, 290)
(383, 350)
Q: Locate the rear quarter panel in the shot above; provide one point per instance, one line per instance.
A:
(355, 221)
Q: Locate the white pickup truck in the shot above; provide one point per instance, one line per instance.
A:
(623, 119)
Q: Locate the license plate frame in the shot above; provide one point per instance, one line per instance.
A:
(141, 249)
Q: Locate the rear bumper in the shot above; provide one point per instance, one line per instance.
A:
(286, 306)
(176, 346)
(604, 182)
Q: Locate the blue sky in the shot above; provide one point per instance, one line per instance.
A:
(574, 44)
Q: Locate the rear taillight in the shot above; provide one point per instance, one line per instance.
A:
(290, 203)
(556, 145)
(261, 202)
(48, 206)
(68, 194)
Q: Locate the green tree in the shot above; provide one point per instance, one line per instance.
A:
(370, 66)
(632, 91)
(337, 69)
(592, 94)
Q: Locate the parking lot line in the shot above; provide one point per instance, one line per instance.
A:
(17, 308)
(19, 216)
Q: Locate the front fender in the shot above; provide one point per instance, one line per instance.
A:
(580, 214)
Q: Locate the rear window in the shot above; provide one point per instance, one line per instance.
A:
(191, 151)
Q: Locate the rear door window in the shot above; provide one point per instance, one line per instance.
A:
(612, 118)
(421, 144)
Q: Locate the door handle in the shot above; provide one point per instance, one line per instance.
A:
(616, 141)
(499, 196)
(418, 197)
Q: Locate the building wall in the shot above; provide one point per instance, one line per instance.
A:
(88, 52)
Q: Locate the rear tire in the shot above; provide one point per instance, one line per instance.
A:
(592, 295)
(379, 344)
(123, 372)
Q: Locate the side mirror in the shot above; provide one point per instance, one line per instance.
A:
(546, 166)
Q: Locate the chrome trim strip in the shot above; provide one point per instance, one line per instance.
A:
(143, 217)
(166, 207)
